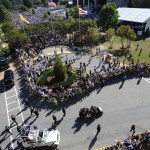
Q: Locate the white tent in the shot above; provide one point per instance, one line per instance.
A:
(138, 15)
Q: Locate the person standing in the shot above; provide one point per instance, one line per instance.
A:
(36, 113)
(132, 129)
(64, 111)
(18, 128)
(31, 110)
(13, 118)
(7, 129)
(54, 126)
(54, 118)
(98, 129)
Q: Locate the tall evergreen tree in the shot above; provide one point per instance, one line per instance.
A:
(59, 70)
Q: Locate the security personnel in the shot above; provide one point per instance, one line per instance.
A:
(7, 129)
(36, 113)
(31, 110)
(54, 118)
(13, 118)
(98, 129)
(64, 111)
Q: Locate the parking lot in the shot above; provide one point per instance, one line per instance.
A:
(122, 108)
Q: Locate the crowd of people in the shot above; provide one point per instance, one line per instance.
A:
(110, 69)
(45, 39)
(132, 142)
(38, 17)
(34, 18)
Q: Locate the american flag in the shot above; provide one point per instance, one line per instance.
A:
(51, 3)
(82, 12)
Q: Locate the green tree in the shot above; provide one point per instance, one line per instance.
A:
(125, 32)
(59, 70)
(7, 27)
(4, 14)
(74, 12)
(16, 39)
(131, 35)
(108, 16)
(6, 3)
(122, 31)
(27, 3)
(110, 34)
(91, 36)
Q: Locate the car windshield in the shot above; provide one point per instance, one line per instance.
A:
(32, 132)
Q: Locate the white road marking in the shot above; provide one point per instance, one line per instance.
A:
(10, 91)
(19, 104)
(11, 102)
(10, 96)
(15, 126)
(13, 109)
(8, 119)
(8, 111)
(147, 80)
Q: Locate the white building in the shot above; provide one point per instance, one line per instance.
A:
(136, 17)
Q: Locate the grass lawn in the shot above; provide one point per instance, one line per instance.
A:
(143, 43)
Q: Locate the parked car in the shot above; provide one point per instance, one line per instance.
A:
(8, 78)
(3, 63)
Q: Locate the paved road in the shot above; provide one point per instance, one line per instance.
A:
(122, 107)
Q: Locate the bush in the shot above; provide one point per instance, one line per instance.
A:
(4, 51)
(55, 83)
(43, 78)
(23, 8)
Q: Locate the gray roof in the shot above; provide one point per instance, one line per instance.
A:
(139, 15)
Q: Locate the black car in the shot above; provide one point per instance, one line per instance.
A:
(8, 78)
(3, 63)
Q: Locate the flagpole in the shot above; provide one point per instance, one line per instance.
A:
(79, 19)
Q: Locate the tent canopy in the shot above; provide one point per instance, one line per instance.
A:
(138, 15)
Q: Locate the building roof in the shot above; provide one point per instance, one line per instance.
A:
(139, 15)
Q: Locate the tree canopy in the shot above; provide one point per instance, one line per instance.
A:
(27, 3)
(59, 70)
(6, 3)
(91, 36)
(110, 33)
(125, 32)
(16, 39)
(108, 16)
(4, 14)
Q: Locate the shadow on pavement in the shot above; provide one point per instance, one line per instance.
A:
(92, 142)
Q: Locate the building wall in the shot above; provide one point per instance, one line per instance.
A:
(147, 25)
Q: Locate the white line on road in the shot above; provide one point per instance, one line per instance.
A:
(147, 80)
(10, 91)
(10, 96)
(11, 102)
(8, 119)
(19, 104)
(13, 109)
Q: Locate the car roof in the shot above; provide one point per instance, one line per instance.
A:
(7, 73)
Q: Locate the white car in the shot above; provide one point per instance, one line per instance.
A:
(36, 136)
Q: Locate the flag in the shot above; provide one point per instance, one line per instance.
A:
(23, 19)
(51, 3)
(82, 12)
